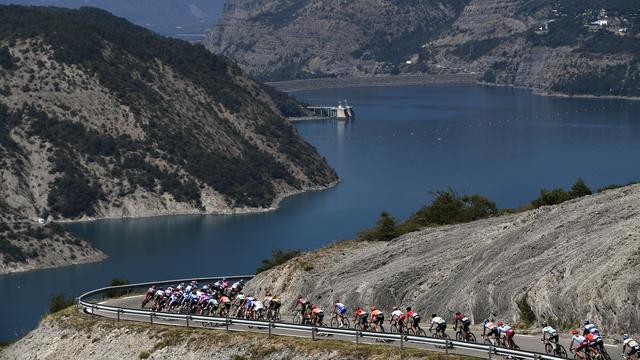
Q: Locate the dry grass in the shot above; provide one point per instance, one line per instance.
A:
(256, 346)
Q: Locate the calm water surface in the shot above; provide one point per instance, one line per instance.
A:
(503, 143)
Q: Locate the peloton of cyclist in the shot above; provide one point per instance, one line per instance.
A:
(506, 332)
(377, 319)
(633, 346)
(340, 309)
(439, 323)
(399, 317)
(465, 323)
(415, 320)
(548, 330)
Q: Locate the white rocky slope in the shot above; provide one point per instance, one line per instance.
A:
(572, 261)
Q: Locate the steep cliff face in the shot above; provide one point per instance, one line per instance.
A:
(553, 46)
(101, 118)
(567, 262)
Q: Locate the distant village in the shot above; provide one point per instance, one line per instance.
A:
(593, 20)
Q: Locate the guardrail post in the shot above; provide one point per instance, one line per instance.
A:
(93, 310)
(226, 322)
(401, 341)
(357, 337)
(151, 318)
(269, 327)
(446, 346)
(187, 320)
(118, 315)
(490, 352)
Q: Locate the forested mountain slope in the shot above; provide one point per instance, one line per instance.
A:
(102, 118)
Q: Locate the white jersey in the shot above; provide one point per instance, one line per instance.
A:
(396, 313)
(258, 305)
(631, 343)
(438, 320)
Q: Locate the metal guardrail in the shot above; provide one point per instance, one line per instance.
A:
(313, 331)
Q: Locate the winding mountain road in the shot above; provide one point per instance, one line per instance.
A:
(526, 342)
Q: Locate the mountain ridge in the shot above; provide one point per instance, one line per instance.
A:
(550, 46)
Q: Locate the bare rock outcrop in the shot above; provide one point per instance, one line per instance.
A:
(568, 262)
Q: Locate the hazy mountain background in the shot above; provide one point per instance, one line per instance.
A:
(187, 19)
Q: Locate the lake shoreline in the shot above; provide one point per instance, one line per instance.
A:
(416, 80)
(241, 211)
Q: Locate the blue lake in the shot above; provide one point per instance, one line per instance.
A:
(406, 141)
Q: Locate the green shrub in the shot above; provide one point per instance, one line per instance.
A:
(449, 207)
(279, 257)
(117, 293)
(385, 229)
(59, 302)
(144, 355)
(527, 316)
(580, 189)
(6, 60)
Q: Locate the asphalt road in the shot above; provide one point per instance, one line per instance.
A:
(526, 342)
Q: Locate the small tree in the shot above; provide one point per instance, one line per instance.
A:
(386, 227)
(59, 302)
(580, 189)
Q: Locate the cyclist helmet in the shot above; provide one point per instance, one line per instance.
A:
(485, 322)
(241, 281)
(433, 315)
(625, 337)
(457, 313)
(299, 297)
(314, 306)
(500, 323)
(408, 308)
(574, 332)
(395, 308)
(587, 322)
(357, 308)
(373, 308)
(544, 324)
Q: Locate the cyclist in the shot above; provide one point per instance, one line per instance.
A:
(415, 320)
(596, 338)
(149, 295)
(595, 341)
(304, 306)
(340, 309)
(360, 317)
(274, 305)
(224, 305)
(580, 342)
(465, 323)
(489, 330)
(440, 324)
(506, 333)
(548, 330)
(257, 309)
(377, 319)
(589, 327)
(317, 315)
(248, 305)
(632, 344)
(236, 287)
(399, 317)
(239, 303)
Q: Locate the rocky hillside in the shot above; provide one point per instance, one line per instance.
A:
(564, 263)
(101, 118)
(68, 335)
(573, 47)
